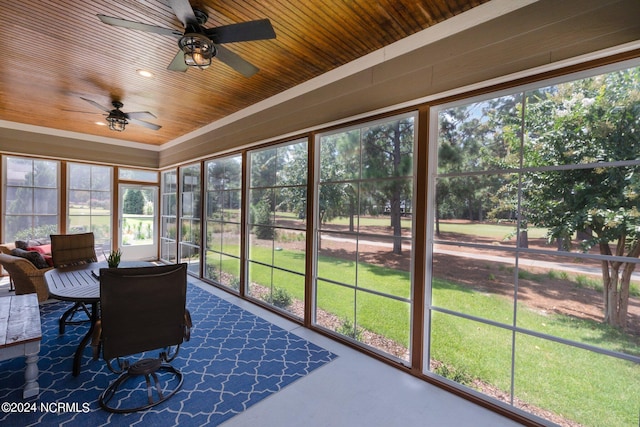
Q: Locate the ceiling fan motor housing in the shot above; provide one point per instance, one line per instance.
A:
(201, 16)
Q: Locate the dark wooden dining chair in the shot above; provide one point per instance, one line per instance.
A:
(69, 250)
(142, 309)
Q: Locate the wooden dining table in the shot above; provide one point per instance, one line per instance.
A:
(81, 283)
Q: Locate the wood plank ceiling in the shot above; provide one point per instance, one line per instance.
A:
(53, 52)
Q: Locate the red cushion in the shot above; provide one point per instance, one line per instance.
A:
(48, 259)
(43, 249)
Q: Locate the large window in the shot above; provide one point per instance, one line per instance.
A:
(89, 201)
(535, 297)
(169, 216)
(364, 242)
(30, 198)
(189, 247)
(223, 211)
(277, 225)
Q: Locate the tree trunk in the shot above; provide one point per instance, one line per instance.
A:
(524, 239)
(321, 219)
(623, 296)
(617, 285)
(351, 214)
(396, 224)
(611, 314)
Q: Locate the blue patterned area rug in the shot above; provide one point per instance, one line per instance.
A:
(233, 360)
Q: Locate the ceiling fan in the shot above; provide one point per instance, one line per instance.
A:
(118, 119)
(199, 45)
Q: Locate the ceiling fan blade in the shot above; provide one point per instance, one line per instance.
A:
(78, 111)
(95, 104)
(140, 115)
(235, 61)
(184, 12)
(242, 32)
(145, 124)
(177, 64)
(117, 22)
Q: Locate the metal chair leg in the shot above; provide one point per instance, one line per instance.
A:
(67, 317)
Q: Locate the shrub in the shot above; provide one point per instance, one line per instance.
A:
(41, 232)
(234, 283)
(454, 374)
(211, 272)
(347, 328)
(280, 298)
(261, 213)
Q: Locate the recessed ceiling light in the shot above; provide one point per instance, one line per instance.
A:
(145, 73)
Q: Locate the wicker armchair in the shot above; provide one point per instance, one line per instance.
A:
(26, 278)
(69, 250)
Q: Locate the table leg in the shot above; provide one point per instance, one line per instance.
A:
(77, 358)
(31, 387)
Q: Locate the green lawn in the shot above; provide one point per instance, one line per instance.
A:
(548, 375)
(493, 230)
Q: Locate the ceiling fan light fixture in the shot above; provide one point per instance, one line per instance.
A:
(117, 122)
(198, 50)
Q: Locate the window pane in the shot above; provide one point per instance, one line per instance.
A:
(19, 172)
(277, 239)
(387, 149)
(45, 201)
(480, 136)
(292, 165)
(223, 204)
(89, 195)
(137, 175)
(168, 216)
(45, 174)
(391, 319)
(478, 282)
(472, 354)
(31, 196)
(231, 205)
(101, 178)
(340, 156)
(263, 168)
(231, 239)
(335, 308)
(19, 200)
(364, 247)
(79, 176)
(190, 217)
